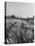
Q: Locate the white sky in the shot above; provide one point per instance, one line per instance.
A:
(19, 9)
(34, 9)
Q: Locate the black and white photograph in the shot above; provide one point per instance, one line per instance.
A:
(19, 23)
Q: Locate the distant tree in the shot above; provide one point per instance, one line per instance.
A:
(13, 16)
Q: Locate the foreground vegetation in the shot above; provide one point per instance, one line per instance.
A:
(19, 31)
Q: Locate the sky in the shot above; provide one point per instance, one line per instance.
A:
(34, 9)
(19, 9)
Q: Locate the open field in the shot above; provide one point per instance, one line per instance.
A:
(19, 31)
